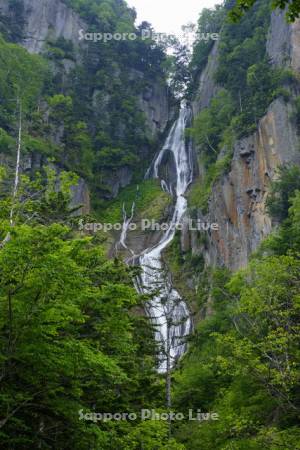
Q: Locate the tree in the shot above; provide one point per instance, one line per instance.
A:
(179, 72)
(210, 21)
(70, 341)
(282, 191)
(267, 335)
(293, 8)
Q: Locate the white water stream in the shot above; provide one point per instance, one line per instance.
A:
(167, 310)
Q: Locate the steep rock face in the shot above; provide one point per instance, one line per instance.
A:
(238, 200)
(80, 194)
(155, 105)
(52, 19)
(81, 197)
(207, 87)
(283, 45)
(44, 19)
(121, 178)
(279, 40)
(295, 46)
(41, 21)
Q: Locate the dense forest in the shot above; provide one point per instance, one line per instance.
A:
(75, 339)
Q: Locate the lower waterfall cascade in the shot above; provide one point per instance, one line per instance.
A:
(167, 310)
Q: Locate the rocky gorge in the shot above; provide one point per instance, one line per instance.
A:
(149, 223)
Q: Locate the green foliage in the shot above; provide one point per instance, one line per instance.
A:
(150, 202)
(61, 49)
(243, 362)
(199, 193)
(111, 15)
(60, 105)
(248, 86)
(209, 126)
(76, 136)
(71, 332)
(104, 96)
(84, 112)
(213, 133)
(293, 8)
(2, 173)
(244, 69)
(244, 72)
(210, 21)
(184, 267)
(248, 81)
(21, 81)
(104, 90)
(150, 435)
(116, 157)
(38, 145)
(6, 142)
(282, 191)
(44, 199)
(287, 238)
(69, 342)
(178, 69)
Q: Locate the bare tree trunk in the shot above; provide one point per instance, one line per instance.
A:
(210, 146)
(17, 172)
(17, 175)
(241, 104)
(168, 374)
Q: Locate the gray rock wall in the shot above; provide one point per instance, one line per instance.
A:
(238, 200)
(44, 19)
(207, 87)
(52, 19)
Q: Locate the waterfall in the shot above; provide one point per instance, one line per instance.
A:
(167, 310)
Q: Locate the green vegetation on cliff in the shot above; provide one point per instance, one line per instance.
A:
(243, 361)
(150, 202)
(247, 85)
(292, 6)
(82, 103)
(74, 340)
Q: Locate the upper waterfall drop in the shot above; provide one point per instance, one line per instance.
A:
(167, 309)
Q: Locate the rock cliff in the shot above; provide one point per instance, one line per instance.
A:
(207, 87)
(238, 199)
(41, 20)
(36, 24)
(44, 20)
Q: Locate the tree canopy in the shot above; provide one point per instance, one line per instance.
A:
(292, 6)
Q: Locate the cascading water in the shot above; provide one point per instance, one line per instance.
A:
(167, 310)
